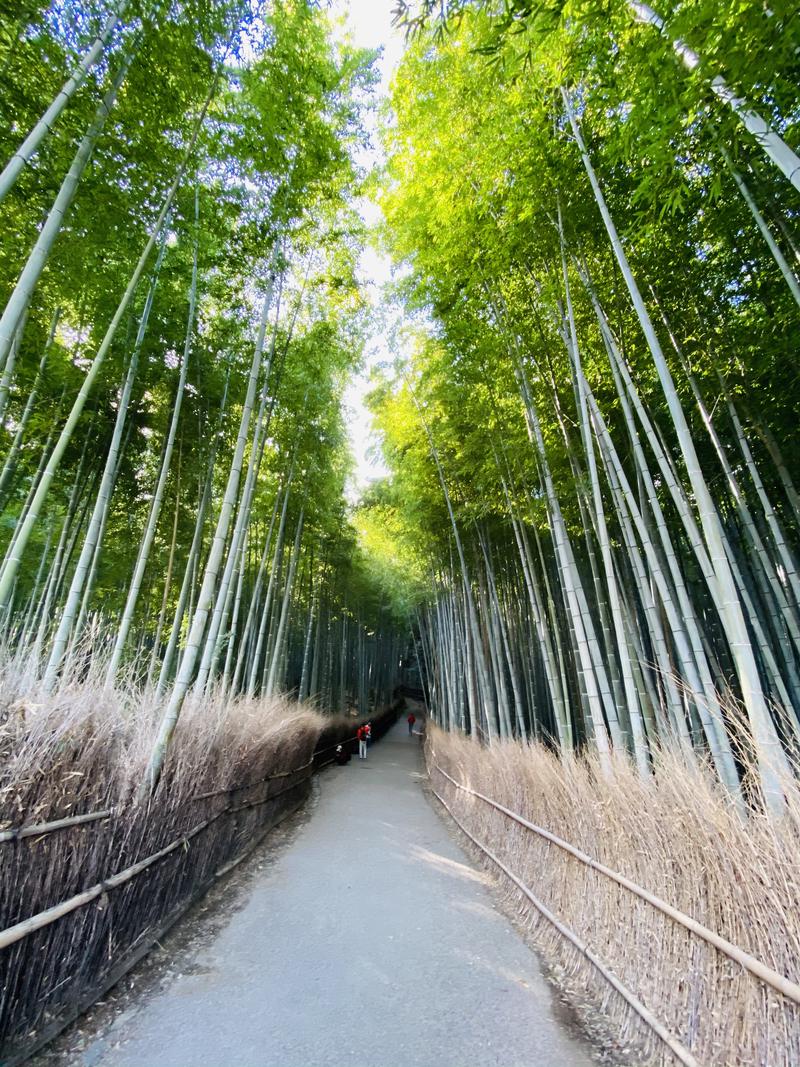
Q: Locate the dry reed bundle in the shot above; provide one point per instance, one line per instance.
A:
(678, 836)
(239, 763)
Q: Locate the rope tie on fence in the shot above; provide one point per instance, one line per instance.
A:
(759, 970)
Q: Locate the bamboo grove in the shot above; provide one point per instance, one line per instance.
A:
(591, 517)
(180, 316)
(594, 209)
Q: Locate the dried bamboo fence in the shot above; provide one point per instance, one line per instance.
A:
(84, 898)
(686, 994)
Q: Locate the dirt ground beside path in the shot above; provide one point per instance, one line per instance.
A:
(365, 939)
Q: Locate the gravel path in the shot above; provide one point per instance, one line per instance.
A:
(371, 941)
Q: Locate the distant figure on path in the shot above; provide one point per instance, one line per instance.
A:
(412, 718)
(341, 756)
(368, 728)
(362, 735)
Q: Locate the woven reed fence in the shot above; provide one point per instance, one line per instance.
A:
(655, 900)
(83, 896)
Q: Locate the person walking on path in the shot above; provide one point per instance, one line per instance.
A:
(411, 720)
(362, 735)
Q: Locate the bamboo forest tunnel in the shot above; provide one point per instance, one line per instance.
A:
(580, 552)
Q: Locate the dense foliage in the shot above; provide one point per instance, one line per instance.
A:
(181, 319)
(595, 431)
(592, 514)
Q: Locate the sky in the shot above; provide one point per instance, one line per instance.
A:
(369, 23)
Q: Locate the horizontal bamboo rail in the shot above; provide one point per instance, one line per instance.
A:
(22, 929)
(28, 926)
(15, 1056)
(51, 827)
(765, 974)
(15, 834)
(44, 918)
(251, 785)
(677, 1048)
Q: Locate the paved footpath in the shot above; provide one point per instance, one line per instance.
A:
(370, 941)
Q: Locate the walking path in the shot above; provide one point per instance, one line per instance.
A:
(371, 941)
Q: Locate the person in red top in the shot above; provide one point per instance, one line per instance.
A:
(412, 718)
(362, 734)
